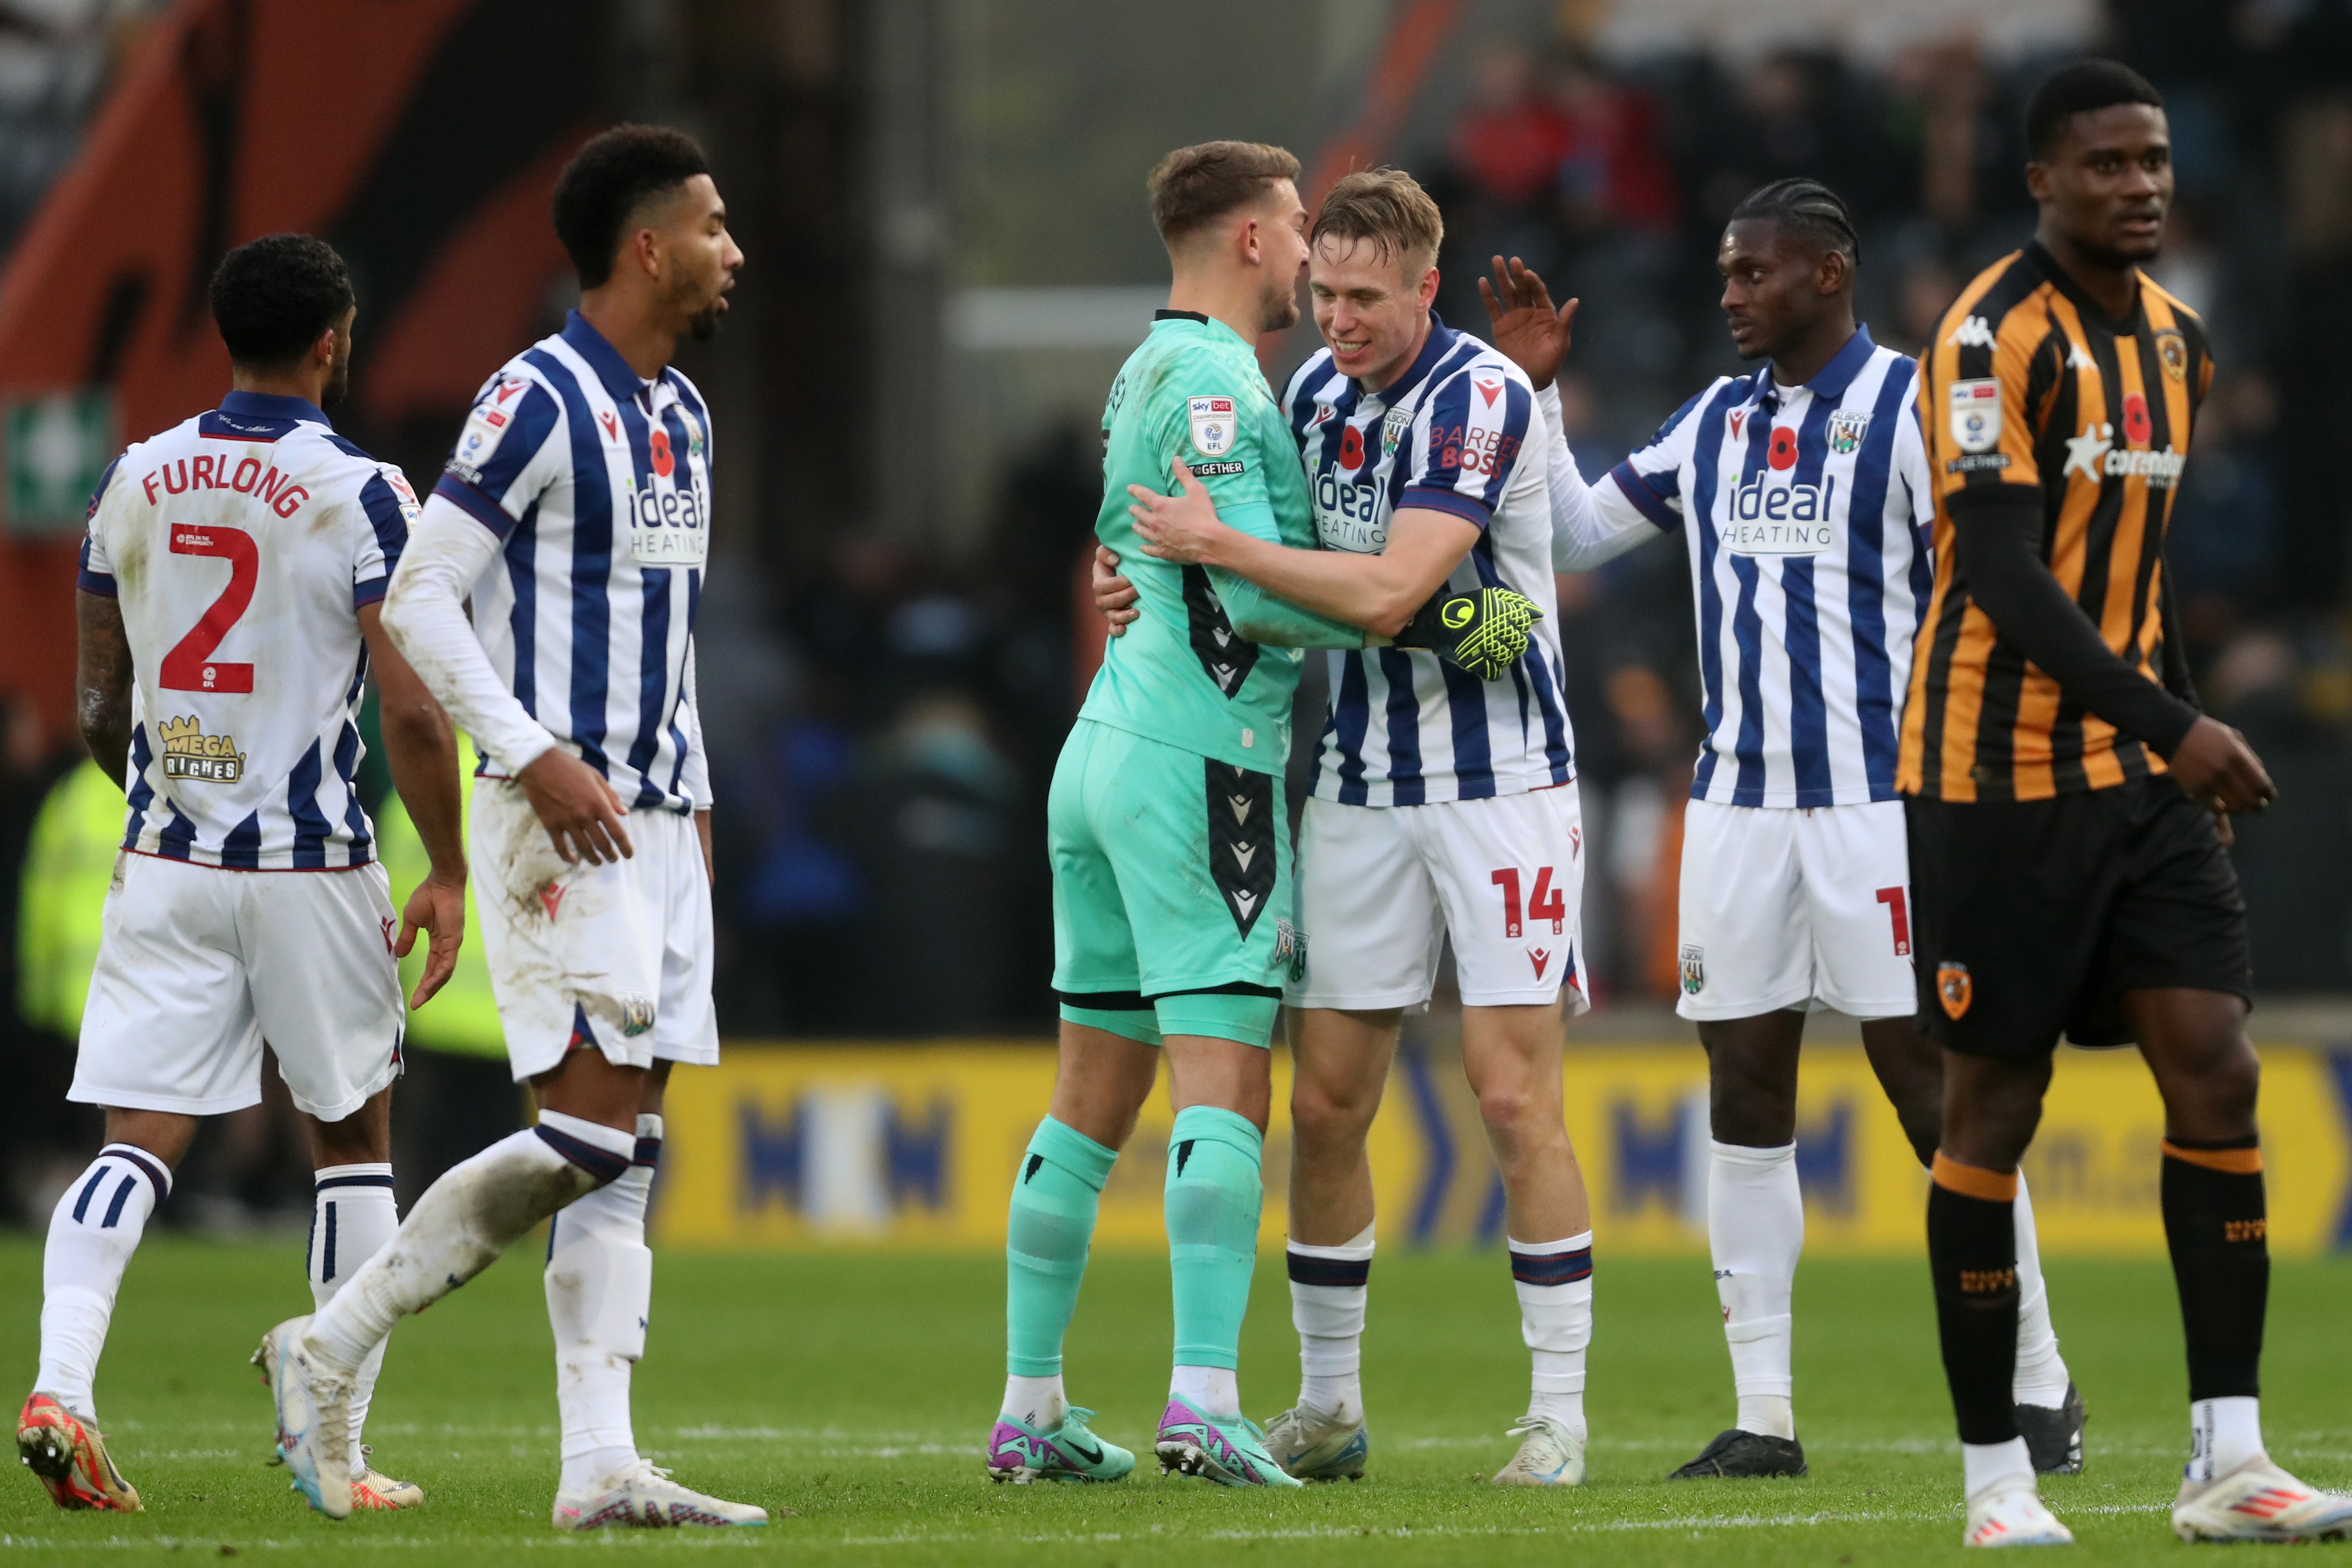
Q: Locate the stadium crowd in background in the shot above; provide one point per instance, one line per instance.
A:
(897, 716)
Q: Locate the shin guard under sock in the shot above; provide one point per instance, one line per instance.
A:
(600, 1286)
(1056, 1195)
(352, 1219)
(93, 1230)
(461, 1225)
(1213, 1196)
(2216, 1225)
(1972, 1255)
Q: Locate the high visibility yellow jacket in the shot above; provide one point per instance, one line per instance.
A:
(463, 1018)
(68, 863)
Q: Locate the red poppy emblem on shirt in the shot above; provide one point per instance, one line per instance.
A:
(1783, 453)
(2137, 426)
(663, 462)
(1352, 448)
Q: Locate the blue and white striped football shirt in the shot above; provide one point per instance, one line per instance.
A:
(597, 482)
(1809, 508)
(1459, 433)
(240, 545)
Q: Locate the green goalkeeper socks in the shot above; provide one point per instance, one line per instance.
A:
(1213, 1196)
(1054, 1201)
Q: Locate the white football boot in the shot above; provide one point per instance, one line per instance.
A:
(2259, 1501)
(1314, 1447)
(2010, 1512)
(314, 1418)
(643, 1495)
(1549, 1456)
(375, 1490)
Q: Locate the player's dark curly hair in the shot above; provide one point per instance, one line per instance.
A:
(272, 298)
(1808, 207)
(608, 180)
(2078, 88)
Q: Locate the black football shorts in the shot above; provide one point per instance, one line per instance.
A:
(2032, 918)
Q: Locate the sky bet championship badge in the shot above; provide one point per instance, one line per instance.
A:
(1212, 424)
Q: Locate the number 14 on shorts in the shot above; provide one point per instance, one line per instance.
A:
(1548, 903)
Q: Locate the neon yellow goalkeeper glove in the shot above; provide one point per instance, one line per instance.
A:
(1483, 631)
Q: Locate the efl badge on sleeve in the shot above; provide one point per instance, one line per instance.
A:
(1212, 424)
(1975, 415)
(1847, 427)
(1954, 990)
(1693, 968)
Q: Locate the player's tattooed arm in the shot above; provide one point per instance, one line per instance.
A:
(102, 684)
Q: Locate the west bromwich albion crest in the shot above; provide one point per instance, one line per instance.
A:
(1394, 429)
(1212, 424)
(1847, 427)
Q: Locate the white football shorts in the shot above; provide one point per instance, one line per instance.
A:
(1380, 888)
(1795, 907)
(198, 964)
(617, 954)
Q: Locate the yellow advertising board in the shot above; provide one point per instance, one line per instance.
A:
(883, 1145)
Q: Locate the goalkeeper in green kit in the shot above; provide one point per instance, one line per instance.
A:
(1170, 836)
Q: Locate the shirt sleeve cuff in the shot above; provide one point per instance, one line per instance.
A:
(370, 591)
(1646, 500)
(473, 504)
(1453, 503)
(96, 582)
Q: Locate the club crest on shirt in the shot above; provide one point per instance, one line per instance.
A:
(189, 753)
(1393, 428)
(1212, 424)
(1847, 427)
(1694, 968)
(2172, 348)
(1954, 990)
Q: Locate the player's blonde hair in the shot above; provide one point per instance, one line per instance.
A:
(1389, 208)
(1194, 187)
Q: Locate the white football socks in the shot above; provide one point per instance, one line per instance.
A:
(1328, 1289)
(461, 1225)
(1036, 1402)
(1554, 1280)
(1981, 1464)
(2041, 1377)
(2222, 1435)
(1755, 1231)
(92, 1232)
(352, 1219)
(600, 1284)
(1213, 1391)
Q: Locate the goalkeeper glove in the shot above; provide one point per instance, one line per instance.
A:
(1483, 631)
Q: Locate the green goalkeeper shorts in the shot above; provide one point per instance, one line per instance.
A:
(1169, 868)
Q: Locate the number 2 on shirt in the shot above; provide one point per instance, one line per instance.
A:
(190, 665)
(1547, 903)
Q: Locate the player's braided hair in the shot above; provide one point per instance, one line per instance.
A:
(1809, 207)
(273, 298)
(608, 180)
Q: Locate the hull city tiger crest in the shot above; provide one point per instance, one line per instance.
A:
(1954, 990)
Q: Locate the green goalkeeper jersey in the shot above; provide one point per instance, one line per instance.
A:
(1212, 661)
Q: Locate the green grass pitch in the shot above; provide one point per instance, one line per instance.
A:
(849, 1395)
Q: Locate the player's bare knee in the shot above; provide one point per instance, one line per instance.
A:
(1330, 1120)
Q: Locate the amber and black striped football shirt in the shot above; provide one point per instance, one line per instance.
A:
(2029, 386)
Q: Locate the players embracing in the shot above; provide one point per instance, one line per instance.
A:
(1442, 807)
